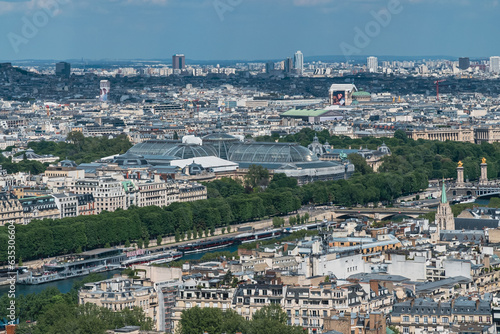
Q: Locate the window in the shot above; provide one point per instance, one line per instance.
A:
(426, 320)
(480, 319)
(406, 318)
(406, 330)
(434, 320)
(417, 319)
(446, 320)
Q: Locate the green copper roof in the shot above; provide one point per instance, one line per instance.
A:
(443, 195)
(305, 112)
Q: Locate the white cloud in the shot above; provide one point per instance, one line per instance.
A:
(27, 6)
(311, 2)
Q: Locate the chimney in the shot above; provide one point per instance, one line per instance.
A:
(285, 248)
(10, 329)
(374, 286)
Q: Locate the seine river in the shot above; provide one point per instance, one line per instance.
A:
(65, 285)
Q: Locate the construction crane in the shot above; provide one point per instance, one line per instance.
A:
(437, 87)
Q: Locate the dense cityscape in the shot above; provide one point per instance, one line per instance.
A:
(352, 194)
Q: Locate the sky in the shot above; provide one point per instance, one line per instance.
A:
(246, 29)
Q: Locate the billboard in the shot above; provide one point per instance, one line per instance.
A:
(338, 98)
(105, 86)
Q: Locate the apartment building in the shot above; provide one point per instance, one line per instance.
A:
(86, 204)
(422, 314)
(118, 294)
(148, 193)
(11, 210)
(190, 192)
(42, 207)
(67, 204)
(109, 194)
(357, 323)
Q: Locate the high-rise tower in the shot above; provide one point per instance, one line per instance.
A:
(178, 62)
(298, 62)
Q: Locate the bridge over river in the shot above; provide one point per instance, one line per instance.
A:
(379, 213)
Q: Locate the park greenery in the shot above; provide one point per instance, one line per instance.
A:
(76, 147)
(433, 159)
(271, 319)
(82, 149)
(51, 311)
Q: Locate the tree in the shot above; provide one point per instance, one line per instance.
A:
(127, 243)
(280, 180)
(76, 138)
(401, 135)
(257, 177)
(159, 239)
(271, 319)
(359, 163)
(140, 243)
(223, 230)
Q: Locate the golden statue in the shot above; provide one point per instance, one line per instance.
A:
(460, 164)
(483, 160)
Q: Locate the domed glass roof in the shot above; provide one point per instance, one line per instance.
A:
(270, 152)
(219, 136)
(172, 149)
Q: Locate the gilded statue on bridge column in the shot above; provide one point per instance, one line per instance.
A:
(460, 164)
(483, 160)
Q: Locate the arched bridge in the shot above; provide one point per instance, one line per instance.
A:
(379, 214)
(476, 190)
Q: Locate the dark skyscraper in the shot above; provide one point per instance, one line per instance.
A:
(178, 62)
(63, 69)
(463, 63)
(288, 65)
(269, 67)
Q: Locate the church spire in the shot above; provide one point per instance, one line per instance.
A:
(443, 195)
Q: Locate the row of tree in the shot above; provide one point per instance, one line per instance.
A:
(271, 319)
(52, 237)
(230, 202)
(51, 311)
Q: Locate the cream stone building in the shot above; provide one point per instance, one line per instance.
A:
(109, 194)
(118, 294)
(11, 210)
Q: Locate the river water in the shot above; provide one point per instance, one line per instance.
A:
(65, 285)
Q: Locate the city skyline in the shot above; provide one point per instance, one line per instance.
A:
(243, 29)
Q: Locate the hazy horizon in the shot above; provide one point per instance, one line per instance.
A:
(245, 29)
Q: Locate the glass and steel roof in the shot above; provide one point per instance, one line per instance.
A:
(270, 152)
(172, 149)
